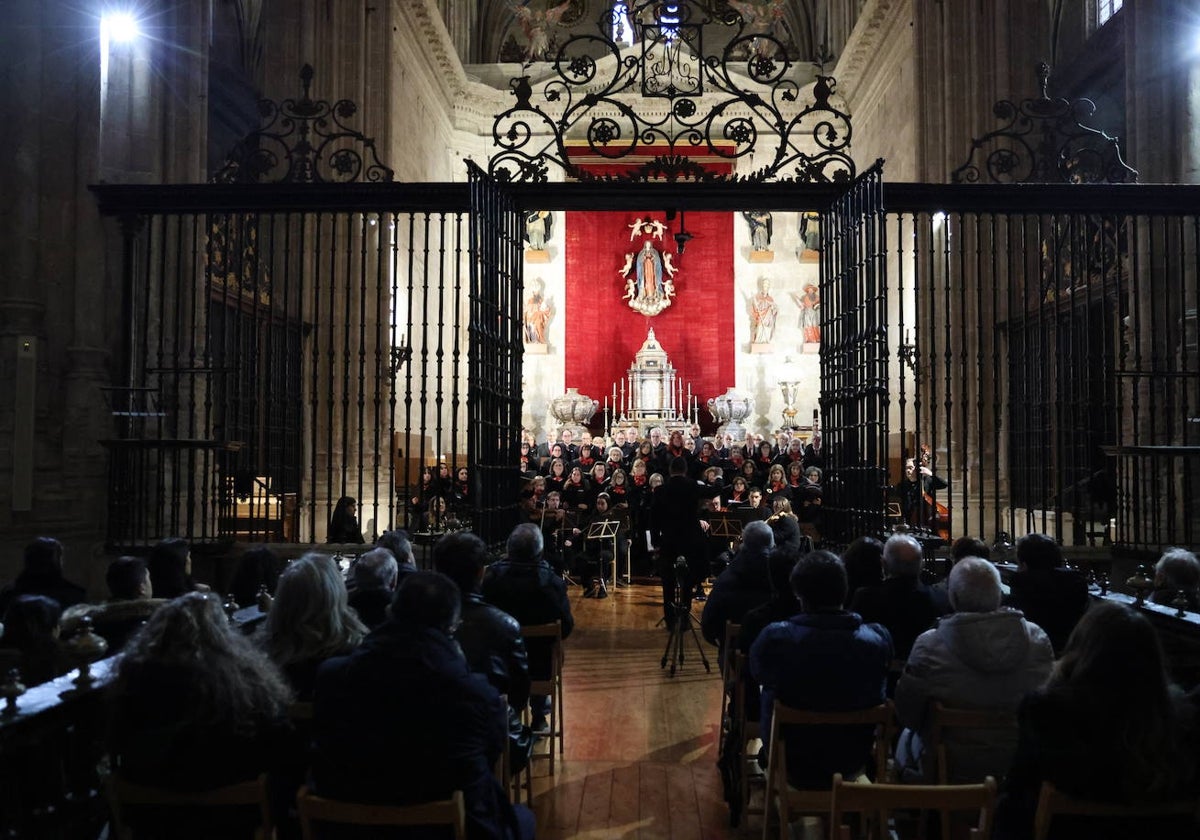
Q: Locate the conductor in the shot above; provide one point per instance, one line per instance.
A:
(678, 530)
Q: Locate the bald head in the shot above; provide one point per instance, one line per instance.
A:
(902, 556)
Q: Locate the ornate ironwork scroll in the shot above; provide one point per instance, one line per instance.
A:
(668, 98)
(1045, 141)
(304, 141)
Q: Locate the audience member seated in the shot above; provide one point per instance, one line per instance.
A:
(30, 640)
(257, 569)
(781, 606)
(823, 659)
(373, 580)
(901, 603)
(131, 602)
(740, 588)
(787, 533)
(309, 621)
(398, 543)
(1050, 595)
(981, 657)
(42, 574)
(489, 637)
(343, 523)
(170, 565)
(195, 706)
(1177, 571)
(1107, 727)
(403, 720)
(524, 586)
(863, 560)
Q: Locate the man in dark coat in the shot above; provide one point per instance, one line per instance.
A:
(741, 587)
(490, 638)
(678, 531)
(403, 720)
(524, 586)
(825, 660)
(901, 603)
(1051, 596)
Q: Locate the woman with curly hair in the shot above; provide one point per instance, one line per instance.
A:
(194, 704)
(309, 621)
(1108, 726)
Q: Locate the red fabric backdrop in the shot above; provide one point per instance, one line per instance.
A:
(603, 333)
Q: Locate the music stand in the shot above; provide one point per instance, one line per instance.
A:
(724, 525)
(605, 530)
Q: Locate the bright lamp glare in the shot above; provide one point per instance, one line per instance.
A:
(939, 218)
(121, 27)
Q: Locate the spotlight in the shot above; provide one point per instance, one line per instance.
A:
(119, 27)
(938, 218)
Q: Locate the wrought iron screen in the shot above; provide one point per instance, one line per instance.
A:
(1047, 360)
(293, 346)
(495, 385)
(854, 360)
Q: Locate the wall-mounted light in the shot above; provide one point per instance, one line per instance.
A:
(683, 237)
(119, 28)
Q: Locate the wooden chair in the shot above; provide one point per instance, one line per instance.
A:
(751, 776)
(512, 782)
(943, 718)
(724, 721)
(450, 812)
(876, 800)
(1052, 802)
(550, 686)
(785, 799)
(123, 794)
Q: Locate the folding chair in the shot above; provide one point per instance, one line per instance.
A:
(1052, 801)
(122, 794)
(876, 800)
(450, 812)
(550, 686)
(787, 800)
(943, 718)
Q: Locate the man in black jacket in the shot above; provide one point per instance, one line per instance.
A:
(525, 587)
(740, 588)
(678, 531)
(489, 637)
(902, 604)
(1051, 596)
(403, 720)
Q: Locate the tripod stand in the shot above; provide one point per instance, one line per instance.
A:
(682, 623)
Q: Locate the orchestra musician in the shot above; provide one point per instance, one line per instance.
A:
(917, 495)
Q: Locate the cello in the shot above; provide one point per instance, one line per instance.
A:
(937, 515)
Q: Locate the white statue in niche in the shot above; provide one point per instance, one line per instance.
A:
(764, 311)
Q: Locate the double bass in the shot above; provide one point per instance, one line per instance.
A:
(936, 514)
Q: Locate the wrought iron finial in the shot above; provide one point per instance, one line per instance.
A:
(1044, 140)
(672, 95)
(304, 141)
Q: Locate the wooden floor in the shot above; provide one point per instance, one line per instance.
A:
(641, 750)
